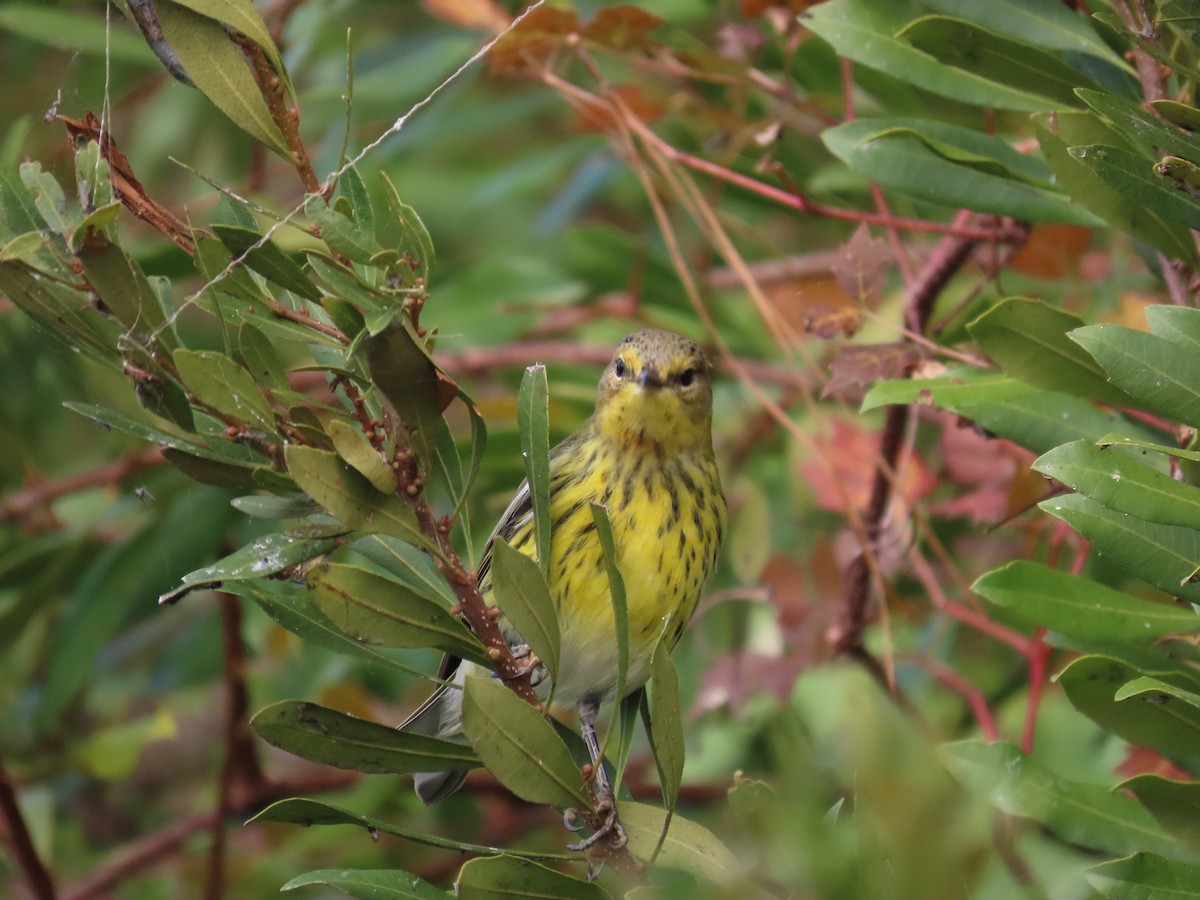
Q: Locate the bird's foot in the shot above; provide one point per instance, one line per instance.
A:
(607, 827)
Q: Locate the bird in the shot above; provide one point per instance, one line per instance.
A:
(646, 454)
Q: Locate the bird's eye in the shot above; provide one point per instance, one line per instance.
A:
(688, 376)
(619, 368)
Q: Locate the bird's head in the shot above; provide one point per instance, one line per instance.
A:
(656, 391)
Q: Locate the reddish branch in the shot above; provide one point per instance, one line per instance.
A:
(22, 844)
(241, 775)
(947, 259)
(16, 507)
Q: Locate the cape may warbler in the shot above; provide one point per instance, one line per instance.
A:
(646, 454)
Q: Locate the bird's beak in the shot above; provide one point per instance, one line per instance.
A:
(649, 378)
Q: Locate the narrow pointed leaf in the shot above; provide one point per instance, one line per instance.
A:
(1162, 555)
(371, 884)
(352, 446)
(1029, 340)
(376, 610)
(616, 585)
(521, 591)
(1122, 482)
(506, 878)
(219, 71)
(305, 812)
(350, 497)
(1175, 805)
(323, 735)
(666, 724)
(1086, 814)
(219, 382)
(1079, 607)
(1091, 684)
(688, 846)
(519, 746)
(533, 423)
(267, 260)
(1145, 876)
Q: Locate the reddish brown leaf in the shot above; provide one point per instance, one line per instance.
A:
(1053, 251)
(995, 473)
(816, 304)
(752, 9)
(603, 118)
(532, 42)
(862, 266)
(1144, 761)
(622, 27)
(851, 452)
(484, 15)
(731, 680)
(863, 365)
(125, 185)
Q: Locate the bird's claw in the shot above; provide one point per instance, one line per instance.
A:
(611, 828)
(571, 820)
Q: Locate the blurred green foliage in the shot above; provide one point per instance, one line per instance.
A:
(1030, 730)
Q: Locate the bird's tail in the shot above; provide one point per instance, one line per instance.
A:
(440, 716)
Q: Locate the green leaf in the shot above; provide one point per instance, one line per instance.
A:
(409, 565)
(1123, 483)
(1048, 25)
(73, 30)
(1038, 420)
(506, 878)
(353, 188)
(294, 610)
(1091, 684)
(533, 423)
(688, 846)
(50, 201)
(1133, 177)
(218, 69)
(326, 736)
(521, 592)
(263, 556)
(406, 376)
(917, 169)
(519, 746)
(305, 812)
(1175, 805)
(1120, 440)
(353, 446)
(1145, 876)
(1029, 340)
(1086, 814)
(377, 610)
(414, 232)
(1180, 324)
(124, 288)
(1162, 555)
(865, 34)
(1079, 607)
(979, 51)
(616, 588)
(350, 497)
(341, 234)
(24, 247)
(262, 359)
(1162, 375)
(219, 382)
(1151, 134)
(241, 17)
(371, 884)
(1090, 191)
(55, 310)
(666, 724)
(266, 259)
(1157, 691)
